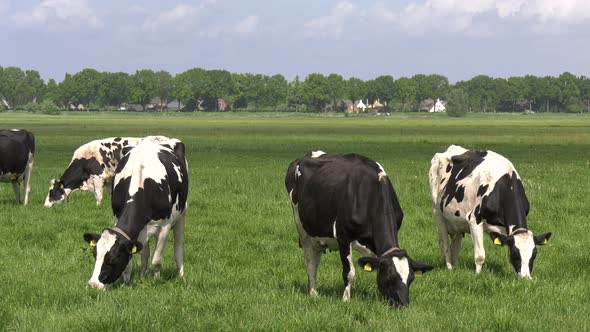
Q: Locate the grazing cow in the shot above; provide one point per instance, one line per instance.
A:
(92, 165)
(345, 202)
(17, 151)
(150, 189)
(480, 191)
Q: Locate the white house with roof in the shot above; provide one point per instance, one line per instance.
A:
(361, 105)
(438, 107)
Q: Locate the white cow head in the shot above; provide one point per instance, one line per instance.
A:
(522, 249)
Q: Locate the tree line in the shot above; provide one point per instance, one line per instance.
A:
(200, 89)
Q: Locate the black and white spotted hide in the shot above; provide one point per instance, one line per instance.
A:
(150, 190)
(346, 202)
(476, 192)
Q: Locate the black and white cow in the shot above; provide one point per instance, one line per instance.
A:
(476, 192)
(17, 151)
(92, 165)
(345, 202)
(149, 196)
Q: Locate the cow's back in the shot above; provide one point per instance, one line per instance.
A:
(154, 176)
(460, 179)
(347, 187)
(16, 148)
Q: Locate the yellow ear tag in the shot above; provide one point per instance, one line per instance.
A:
(61, 186)
(368, 267)
(497, 242)
(93, 243)
(544, 241)
(418, 272)
(134, 249)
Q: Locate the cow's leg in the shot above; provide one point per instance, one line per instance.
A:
(162, 236)
(345, 250)
(16, 188)
(312, 255)
(455, 248)
(145, 251)
(127, 271)
(179, 245)
(443, 237)
(98, 189)
(478, 249)
(27, 183)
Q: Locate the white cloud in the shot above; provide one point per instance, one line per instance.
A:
(247, 25)
(59, 12)
(461, 15)
(473, 17)
(182, 17)
(332, 25)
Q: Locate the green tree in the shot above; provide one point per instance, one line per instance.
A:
(457, 103)
(34, 86)
(51, 91)
(482, 93)
(405, 91)
(114, 89)
(274, 91)
(295, 94)
(219, 85)
(356, 89)
(336, 89)
(570, 93)
(191, 85)
(14, 87)
(165, 83)
(384, 87)
(584, 86)
(143, 87)
(316, 91)
(85, 86)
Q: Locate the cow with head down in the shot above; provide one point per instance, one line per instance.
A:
(346, 202)
(92, 165)
(17, 151)
(476, 192)
(149, 196)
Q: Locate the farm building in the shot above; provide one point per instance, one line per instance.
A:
(438, 107)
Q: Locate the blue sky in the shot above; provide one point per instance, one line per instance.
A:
(456, 38)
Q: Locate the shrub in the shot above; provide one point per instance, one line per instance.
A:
(45, 107)
(457, 103)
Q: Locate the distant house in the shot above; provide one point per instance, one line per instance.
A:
(222, 105)
(361, 106)
(438, 107)
(376, 104)
(73, 107)
(350, 106)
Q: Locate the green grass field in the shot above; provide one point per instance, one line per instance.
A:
(244, 269)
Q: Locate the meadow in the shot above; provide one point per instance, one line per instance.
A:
(244, 269)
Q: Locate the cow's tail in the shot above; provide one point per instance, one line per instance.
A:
(434, 176)
(391, 201)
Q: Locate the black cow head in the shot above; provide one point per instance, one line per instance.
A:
(522, 249)
(396, 274)
(112, 252)
(57, 193)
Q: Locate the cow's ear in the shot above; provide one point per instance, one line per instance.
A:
(369, 263)
(135, 247)
(91, 238)
(542, 239)
(498, 238)
(420, 267)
